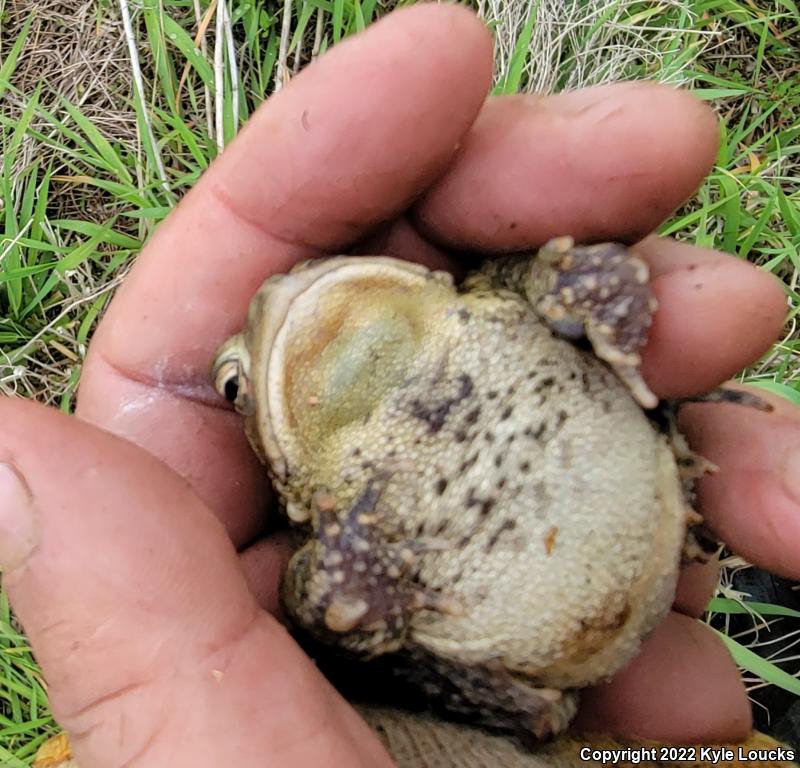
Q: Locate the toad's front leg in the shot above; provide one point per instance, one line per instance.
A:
(349, 586)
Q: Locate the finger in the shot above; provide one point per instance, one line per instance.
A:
(603, 163)
(263, 564)
(696, 586)
(753, 502)
(346, 145)
(204, 443)
(716, 315)
(137, 610)
(400, 239)
(682, 688)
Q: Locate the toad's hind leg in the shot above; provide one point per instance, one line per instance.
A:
(700, 543)
(597, 291)
(349, 585)
(489, 695)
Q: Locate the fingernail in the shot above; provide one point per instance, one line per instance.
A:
(19, 520)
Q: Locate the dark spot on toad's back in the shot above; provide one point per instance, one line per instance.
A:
(486, 506)
(435, 414)
(506, 525)
(545, 383)
(536, 433)
(468, 463)
(441, 485)
(473, 416)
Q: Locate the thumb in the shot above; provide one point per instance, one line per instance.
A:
(137, 609)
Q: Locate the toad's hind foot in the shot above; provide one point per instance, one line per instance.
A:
(489, 695)
(601, 292)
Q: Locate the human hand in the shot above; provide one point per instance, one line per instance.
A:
(149, 600)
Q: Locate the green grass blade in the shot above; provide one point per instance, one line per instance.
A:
(337, 20)
(72, 260)
(726, 605)
(766, 670)
(731, 213)
(359, 16)
(10, 761)
(103, 147)
(757, 229)
(10, 61)
(792, 394)
(181, 39)
(9, 245)
(302, 24)
(513, 79)
(165, 72)
(105, 233)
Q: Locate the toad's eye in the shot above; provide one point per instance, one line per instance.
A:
(229, 373)
(226, 380)
(231, 388)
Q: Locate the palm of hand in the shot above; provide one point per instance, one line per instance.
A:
(134, 596)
